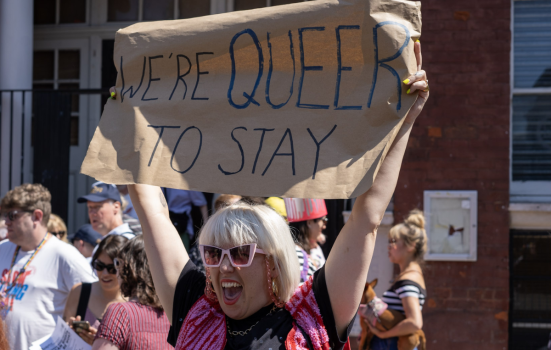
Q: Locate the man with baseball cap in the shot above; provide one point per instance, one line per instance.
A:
(104, 210)
(85, 240)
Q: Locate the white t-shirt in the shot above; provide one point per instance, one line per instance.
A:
(40, 295)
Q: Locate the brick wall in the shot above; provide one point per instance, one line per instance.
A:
(461, 142)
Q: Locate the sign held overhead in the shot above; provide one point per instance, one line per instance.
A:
(299, 100)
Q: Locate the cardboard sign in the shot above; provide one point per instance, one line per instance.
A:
(301, 100)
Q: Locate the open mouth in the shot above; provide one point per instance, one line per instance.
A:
(232, 291)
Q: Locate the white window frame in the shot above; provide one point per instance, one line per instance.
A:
(216, 6)
(523, 191)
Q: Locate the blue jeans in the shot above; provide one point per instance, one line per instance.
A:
(385, 344)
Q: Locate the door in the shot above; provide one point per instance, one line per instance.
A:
(64, 65)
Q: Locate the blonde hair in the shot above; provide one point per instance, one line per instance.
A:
(29, 197)
(56, 224)
(412, 232)
(243, 223)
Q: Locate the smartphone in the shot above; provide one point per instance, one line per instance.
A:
(81, 324)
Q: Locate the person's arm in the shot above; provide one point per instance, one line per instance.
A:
(411, 324)
(103, 344)
(165, 251)
(347, 265)
(71, 304)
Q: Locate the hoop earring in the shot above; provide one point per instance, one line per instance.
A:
(209, 290)
(272, 287)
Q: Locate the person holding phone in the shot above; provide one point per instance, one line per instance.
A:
(87, 302)
(140, 323)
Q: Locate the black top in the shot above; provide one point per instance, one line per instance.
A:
(272, 329)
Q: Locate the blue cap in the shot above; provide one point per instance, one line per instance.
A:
(100, 192)
(87, 234)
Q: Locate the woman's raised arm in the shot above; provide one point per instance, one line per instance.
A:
(347, 265)
(165, 250)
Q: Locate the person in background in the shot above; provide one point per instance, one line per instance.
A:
(225, 200)
(38, 270)
(179, 207)
(140, 323)
(277, 204)
(88, 301)
(407, 244)
(132, 222)
(104, 210)
(57, 227)
(128, 209)
(3, 230)
(307, 219)
(86, 240)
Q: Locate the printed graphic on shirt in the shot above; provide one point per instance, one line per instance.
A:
(13, 292)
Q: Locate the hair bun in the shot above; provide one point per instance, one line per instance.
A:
(416, 218)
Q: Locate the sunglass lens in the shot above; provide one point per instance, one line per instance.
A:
(98, 265)
(212, 255)
(240, 255)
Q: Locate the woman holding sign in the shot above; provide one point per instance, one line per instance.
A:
(249, 297)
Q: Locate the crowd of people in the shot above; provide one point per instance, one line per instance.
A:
(100, 273)
(254, 278)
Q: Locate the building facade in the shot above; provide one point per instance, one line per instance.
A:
(486, 128)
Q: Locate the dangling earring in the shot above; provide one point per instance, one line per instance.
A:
(272, 287)
(209, 290)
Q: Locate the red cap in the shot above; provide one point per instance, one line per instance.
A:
(302, 209)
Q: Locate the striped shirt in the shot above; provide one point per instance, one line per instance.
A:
(133, 326)
(401, 289)
(311, 267)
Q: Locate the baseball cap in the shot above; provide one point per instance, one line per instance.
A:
(101, 191)
(87, 234)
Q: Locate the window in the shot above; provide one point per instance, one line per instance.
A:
(59, 11)
(239, 5)
(531, 101)
(155, 10)
(59, 69)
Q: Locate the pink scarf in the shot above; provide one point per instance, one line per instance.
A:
(205, 323)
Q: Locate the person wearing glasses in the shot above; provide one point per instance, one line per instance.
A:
(57, 227)
(307, 219)
(88, 301)
(249, 297)
(141, 322)
(38, 270)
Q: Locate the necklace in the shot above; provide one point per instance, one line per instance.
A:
(3, 295)
(242, 333)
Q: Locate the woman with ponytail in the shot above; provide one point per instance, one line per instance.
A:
(407, 244)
